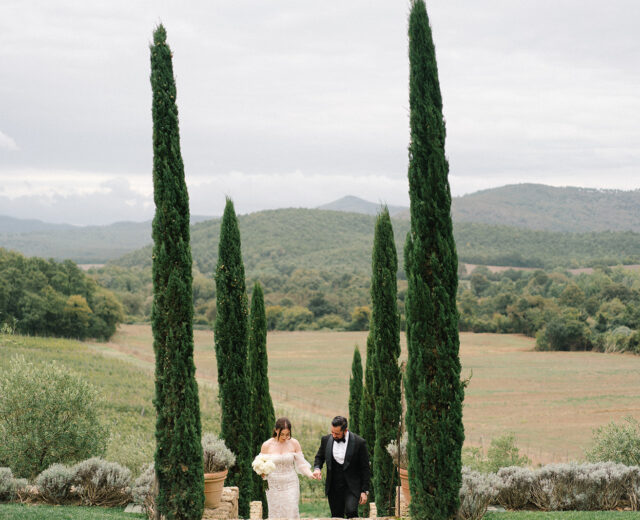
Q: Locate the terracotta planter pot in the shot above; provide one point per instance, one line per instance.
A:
(213, 484)
(404, 484)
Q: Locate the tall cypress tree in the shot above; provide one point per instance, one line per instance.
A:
(178, 457)
(368, 413)
(386, 339)
(433, 388)
(262, 414)
(355, 392)
(231, 336)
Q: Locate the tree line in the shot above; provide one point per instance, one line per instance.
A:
(589, 311)
(48, 298)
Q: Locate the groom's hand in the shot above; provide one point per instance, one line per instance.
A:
(317, 474)
(363, 499)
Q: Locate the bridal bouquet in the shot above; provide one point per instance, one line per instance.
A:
(263, 465)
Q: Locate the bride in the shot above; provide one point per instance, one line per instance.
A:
(283, 494)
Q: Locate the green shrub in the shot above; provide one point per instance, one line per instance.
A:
(331, 321)
(55, 483)
(565, 331)
(473, 458)
(503, 452)
(47, 415)
(617, 443)
(616, 340)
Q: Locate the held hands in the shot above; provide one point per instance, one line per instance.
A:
(317, 474)
(363, 498)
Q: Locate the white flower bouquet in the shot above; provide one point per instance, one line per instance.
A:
(263, 465)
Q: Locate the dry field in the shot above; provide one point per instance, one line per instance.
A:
(552, 401)
(581, 270)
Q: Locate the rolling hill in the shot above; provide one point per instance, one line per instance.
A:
(280, 241)
(505, 225)
(352, 204)
(536, 206)
(82, 244)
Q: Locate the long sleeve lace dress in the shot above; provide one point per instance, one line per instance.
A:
(283, 495)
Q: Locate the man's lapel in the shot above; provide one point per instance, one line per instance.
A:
(351, 446)
(328, 454)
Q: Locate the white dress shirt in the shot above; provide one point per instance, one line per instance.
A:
(340, 448)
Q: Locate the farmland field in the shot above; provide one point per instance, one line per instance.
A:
(552, 401)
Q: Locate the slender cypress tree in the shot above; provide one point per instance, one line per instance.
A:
(231, 336)
(178, 457)
(433, 388)
(355, 392)
(262, 414)
(368, 413)
(386, 339)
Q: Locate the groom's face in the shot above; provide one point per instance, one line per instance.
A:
(337, 432)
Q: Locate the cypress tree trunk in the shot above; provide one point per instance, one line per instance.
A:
(433, 388)
(367, 415)
(178, 457)
(386, 339)
(355, 392)
(262, 414)
(231, 336)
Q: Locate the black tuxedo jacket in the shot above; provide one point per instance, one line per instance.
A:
(356, 463)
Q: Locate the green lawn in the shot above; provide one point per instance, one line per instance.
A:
(563, 515)
(41, 512)
(315, 509)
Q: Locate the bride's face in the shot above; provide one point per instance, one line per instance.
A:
(285, 435)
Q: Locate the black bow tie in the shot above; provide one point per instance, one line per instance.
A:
(340, 440)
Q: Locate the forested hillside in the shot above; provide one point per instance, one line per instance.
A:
(519, 207)
(279, 241)
(315, 265)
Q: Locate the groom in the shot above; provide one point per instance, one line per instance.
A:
(348, 472)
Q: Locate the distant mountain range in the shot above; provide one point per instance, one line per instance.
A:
(351, 204)
(83, 244)
(528, 206)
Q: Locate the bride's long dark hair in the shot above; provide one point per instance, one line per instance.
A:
(281, 424)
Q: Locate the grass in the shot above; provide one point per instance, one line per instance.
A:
(551, 401)
(313, 509)
(561, 515)
(125, 384)
(42, 512)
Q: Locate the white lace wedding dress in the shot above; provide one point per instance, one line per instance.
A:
(283, 495)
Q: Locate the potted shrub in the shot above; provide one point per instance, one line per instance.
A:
(217, 461)
(401, 460)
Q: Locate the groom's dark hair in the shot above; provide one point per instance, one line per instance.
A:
(340, 421)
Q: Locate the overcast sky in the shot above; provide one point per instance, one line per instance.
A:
(294, 103)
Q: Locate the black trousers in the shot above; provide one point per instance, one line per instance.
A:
(342, 502)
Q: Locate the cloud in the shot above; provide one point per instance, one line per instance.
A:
(533, 92)
(7, 142)
(109, 201)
